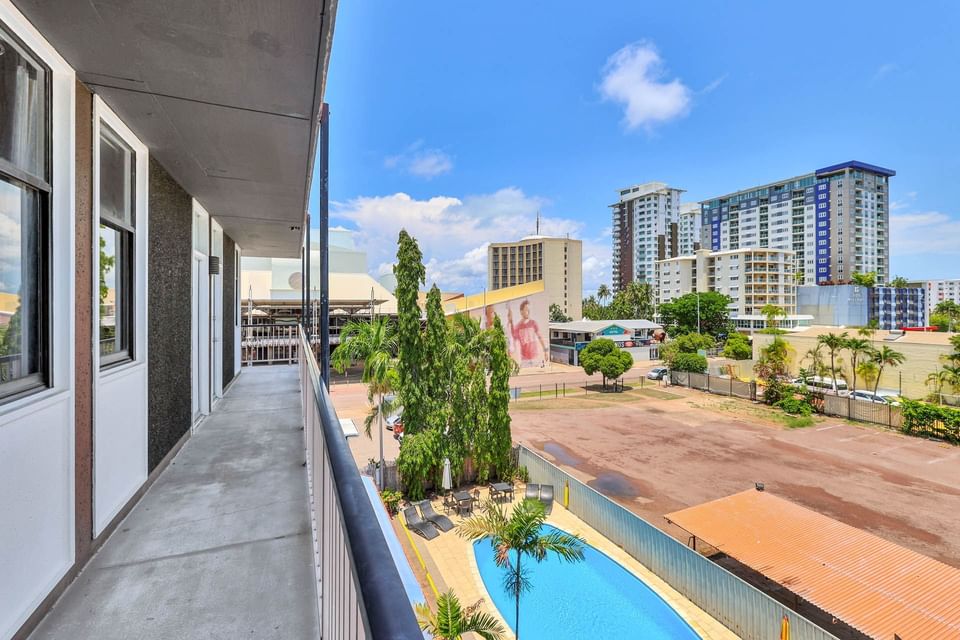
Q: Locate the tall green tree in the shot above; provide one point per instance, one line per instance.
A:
(605, 356)
(501, 365)
(435, 373)
(410, 274)
(451, 622)
(374, 343)
(867, 279)
(772, 313)
(886, 357)
(520, 536)
(860, 349)
(603, 293)
(834, 344)
(557, 314)
(899, 282)
(680, 315)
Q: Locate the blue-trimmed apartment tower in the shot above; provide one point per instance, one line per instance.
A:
(835, 219)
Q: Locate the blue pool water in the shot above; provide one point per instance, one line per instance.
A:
(595, 598)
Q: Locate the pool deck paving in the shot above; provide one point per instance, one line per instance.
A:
(451, 556)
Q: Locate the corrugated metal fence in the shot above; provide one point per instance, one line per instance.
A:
(720, 385)
(745, 610)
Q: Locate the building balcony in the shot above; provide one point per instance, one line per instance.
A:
(259, 527)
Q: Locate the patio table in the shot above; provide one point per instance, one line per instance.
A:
(464, 500)
(503, 489)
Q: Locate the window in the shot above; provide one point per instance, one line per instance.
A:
(24, 220)
(117, 215)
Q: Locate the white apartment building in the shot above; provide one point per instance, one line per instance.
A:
(645, 230)
(752, 277)
(556, 261)
(688, 228)
(939, 291)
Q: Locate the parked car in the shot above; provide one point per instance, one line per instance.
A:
(658, 373)
(868, 396)
(827, 385)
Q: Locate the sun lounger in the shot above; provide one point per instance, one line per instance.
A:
(546, 497)
(532, 492)
(442, 522)
(418, 524)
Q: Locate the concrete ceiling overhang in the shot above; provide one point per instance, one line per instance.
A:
(225, 93)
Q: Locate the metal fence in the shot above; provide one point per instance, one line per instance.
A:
(720, 385)
(358, 582)
(742, 608)
(861, 410)
(272, 343)
(573, 389)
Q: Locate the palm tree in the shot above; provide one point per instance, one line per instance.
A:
(450, 621)
(772, 312)
(816, 359)
(886, 357)
(516, 536)
(603, 293)
(834, 344)
(375, 343)
(938, 379)
(858, 347)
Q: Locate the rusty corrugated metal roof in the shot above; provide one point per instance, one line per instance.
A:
(873, 585)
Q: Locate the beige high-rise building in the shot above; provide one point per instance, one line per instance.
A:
(751, 277)
(556, 261)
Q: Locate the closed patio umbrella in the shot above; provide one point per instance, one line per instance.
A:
(447, 478)
(785, 629)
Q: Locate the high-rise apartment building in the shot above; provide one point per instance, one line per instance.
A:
(938, 291)
(645, 229)
(836, 220)
(688, 229)
(556, 261)
(751, 277)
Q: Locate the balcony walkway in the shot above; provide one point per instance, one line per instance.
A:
(221, 545)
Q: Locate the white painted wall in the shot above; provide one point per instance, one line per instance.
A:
(120, 392)
(237, 314)
(37, 432)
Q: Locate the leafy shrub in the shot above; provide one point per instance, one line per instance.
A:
(692, 362)
(775, 391)
(738, 347)
(521, 474)
(391, 500)
(920, 418)
(795, 406)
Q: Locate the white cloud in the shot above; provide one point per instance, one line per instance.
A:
(924, 233)
(421, 161)
(715, 84)
(453, 233)
(908, 198)
(634, 76)
(883, 71)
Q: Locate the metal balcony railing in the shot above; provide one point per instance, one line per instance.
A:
(359, 588)
(271, 343)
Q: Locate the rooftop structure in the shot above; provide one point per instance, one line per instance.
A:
(877, 587)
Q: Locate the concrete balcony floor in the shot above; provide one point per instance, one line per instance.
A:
(221, 545)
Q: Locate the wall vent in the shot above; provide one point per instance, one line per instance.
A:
(214, 265)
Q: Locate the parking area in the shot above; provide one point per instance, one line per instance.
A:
(657, 455)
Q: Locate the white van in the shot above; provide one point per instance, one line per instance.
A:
(823, 384)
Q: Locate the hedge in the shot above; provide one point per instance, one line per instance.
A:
(931, 420)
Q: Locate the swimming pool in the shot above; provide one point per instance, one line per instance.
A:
(590, 599)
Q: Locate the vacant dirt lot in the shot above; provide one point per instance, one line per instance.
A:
(657, 455)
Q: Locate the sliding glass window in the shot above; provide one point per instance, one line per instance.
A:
(24, 220)
(117, 170)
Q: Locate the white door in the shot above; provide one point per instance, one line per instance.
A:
(200, 330)
(216, 330)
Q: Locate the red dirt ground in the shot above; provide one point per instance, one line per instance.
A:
(656, 456)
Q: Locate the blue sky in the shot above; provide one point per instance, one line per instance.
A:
(460, 120)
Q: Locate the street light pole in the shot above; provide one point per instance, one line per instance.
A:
(698, 312)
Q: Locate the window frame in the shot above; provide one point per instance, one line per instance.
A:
(126, 255)
(43, 186)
